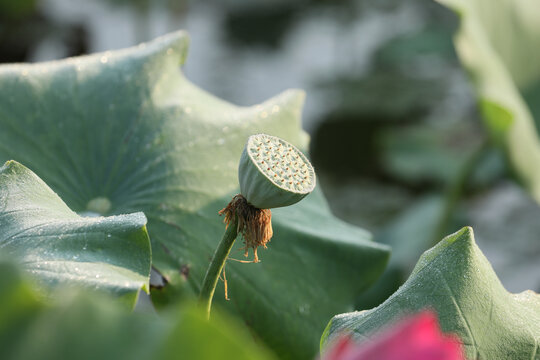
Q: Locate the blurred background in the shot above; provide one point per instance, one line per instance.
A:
(396, 138)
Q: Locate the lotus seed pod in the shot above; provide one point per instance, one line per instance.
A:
(273, 173)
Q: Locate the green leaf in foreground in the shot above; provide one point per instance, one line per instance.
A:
(57, 246)
(126, 126)
(457, 281)
(85, 326)
(499, 44)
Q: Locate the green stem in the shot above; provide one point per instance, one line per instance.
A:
(216, 266)
(456, 188)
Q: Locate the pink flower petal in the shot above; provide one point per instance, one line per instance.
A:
(414, 338)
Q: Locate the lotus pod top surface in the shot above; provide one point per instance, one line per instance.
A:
(274, 173)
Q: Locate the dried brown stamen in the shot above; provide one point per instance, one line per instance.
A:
(254, 224)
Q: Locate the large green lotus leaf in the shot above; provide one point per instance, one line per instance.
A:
(499, 44)
(128, 127)
(58, 246)
(456, 280)
(86, 326)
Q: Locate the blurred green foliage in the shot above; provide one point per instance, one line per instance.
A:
(14, 9)
(85, 325)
